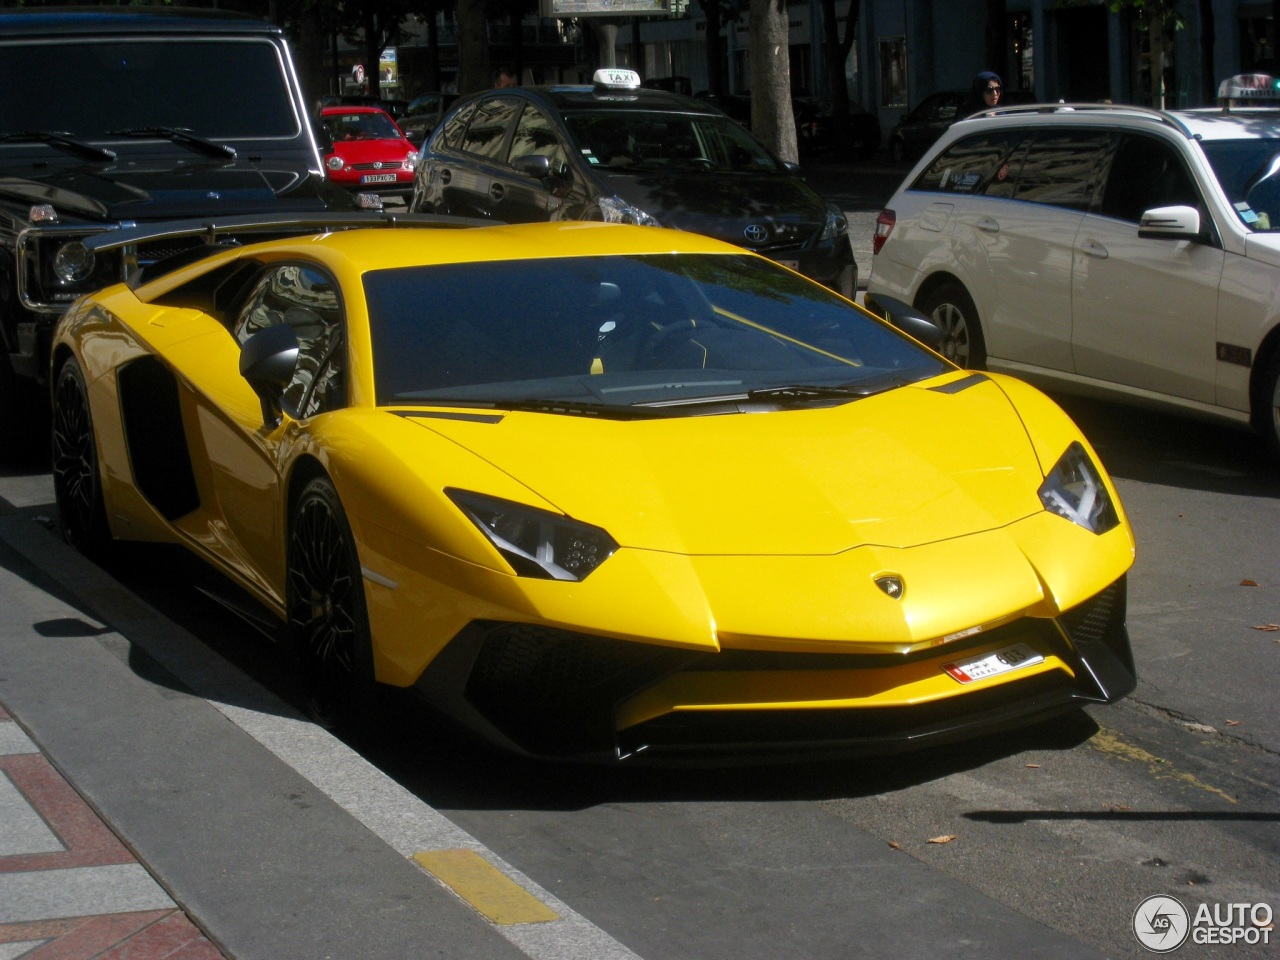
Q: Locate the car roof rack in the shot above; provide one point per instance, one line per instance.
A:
(1128, 109)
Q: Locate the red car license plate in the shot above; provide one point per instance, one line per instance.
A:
(378, 178)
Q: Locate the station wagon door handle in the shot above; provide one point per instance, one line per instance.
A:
(1091, 248)
(445, 175)
(988, 225)
(496, 190)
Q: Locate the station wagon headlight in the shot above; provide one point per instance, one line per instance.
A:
(334, 162)
(537, 543)
(617, 210)
(1074, 490)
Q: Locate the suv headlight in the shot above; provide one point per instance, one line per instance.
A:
(837, 225)
(1074, 490)
(73, 262)
(537, 543)
(617, 210)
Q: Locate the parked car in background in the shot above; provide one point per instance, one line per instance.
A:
(366, 152)
(393, 108)
(933, 116)
(816, 128)
(607, 492)
(616, 152)
(423, 114)
(1116, 251)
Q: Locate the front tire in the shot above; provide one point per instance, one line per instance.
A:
(1268, 420)
(328, 619)
(952, 309)
(77, 481)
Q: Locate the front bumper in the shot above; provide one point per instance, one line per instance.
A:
(550, 693)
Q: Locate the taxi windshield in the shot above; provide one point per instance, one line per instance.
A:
(1246, 169)
(627, 141)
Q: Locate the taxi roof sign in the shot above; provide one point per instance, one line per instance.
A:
(1252, 88)
(616, 78)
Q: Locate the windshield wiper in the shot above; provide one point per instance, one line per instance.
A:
(808, 392)
(578, 408)
(60, 139)
(179, 135)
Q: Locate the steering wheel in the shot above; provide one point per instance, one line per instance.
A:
(666, 337)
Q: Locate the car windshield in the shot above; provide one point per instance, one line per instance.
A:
(1246, 169)
(88, 87)
(632, 140)
(625, 333)
(360, 126)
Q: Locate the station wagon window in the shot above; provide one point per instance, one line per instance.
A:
(1063, 166)
(969, 165)
(487, 131)
(451, 134)
(536, 137)
(1146, 172)
(307, 300)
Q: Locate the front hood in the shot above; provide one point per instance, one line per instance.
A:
(170, 191)
(915, 465)
(724, 205)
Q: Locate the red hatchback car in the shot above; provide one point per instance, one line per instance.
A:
(365, 151)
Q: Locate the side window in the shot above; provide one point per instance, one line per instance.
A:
(536, 137)
(307, 300)
(487, 131)
(968, 165)
(1063, 166)
(1146, 172)
(450, 134)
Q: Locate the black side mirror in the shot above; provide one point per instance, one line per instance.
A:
(268, 360)
(533, 165)
(907, 319)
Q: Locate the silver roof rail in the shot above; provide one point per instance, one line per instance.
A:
(1133, 110)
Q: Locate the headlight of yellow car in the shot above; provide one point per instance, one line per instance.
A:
(1074, 489)
(535, 542)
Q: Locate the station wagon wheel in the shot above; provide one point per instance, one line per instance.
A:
(326, 606)
(77, 482)
(1269, 420)
(952, 309)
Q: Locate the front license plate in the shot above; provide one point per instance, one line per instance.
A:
(378, 178)
(993, 664)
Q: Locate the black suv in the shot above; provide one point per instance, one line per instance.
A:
(116, 116)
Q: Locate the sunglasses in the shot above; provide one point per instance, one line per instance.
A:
(993, 89)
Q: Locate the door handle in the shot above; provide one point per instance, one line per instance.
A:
(445, 176)
(1091, 248)
(988, 225)
(496, 190)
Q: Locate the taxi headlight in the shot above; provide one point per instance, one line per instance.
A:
(617, 210)
(537, 543)
(1074, 490)
(73, 262)
(837, 224)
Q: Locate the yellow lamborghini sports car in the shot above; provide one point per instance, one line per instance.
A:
(598, 491)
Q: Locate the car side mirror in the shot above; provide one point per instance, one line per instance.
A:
(268, 360)
(907, 319)
(1170, 223)
(533, 165)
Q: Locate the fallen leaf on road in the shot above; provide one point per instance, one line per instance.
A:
(1033, 766)
(945, 838)
(895, 845)
(1233, 723)
(1268, 627)
(1248, 583)
(1116, 806)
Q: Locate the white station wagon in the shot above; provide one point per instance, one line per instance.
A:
(1115, 251)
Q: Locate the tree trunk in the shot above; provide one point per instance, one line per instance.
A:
(1155, 41)
(836, 51)
(714, 46)
(772, 119)
(473, 47)
(1208, 75)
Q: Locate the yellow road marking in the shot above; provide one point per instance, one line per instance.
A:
(1108, 741)
(491, 892)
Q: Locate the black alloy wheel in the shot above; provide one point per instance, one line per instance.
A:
(327, 616)
(952, 309)
(77, 482)
(1268, 419)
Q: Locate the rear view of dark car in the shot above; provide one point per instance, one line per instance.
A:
(114, 116)
(624, 154)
